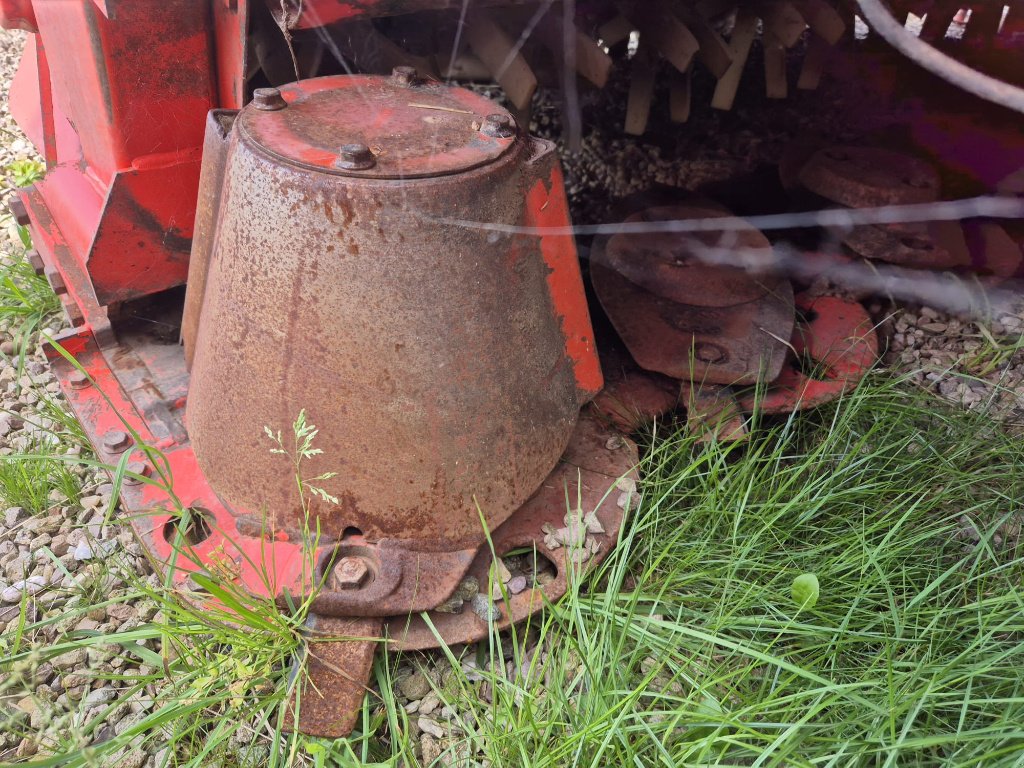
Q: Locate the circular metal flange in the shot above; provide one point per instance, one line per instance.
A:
(602, 465)
(865, 177)
(411, 129)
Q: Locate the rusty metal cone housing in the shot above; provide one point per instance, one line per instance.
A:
(432, 356)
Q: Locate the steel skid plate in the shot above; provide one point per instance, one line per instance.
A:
(139, 387)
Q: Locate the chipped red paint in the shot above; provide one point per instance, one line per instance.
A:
(840, 337)
(547, 206)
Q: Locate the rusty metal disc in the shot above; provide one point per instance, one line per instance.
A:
(374, 127)
(864, 177)
(687, 319)
(740, 344)
(674, 265)
(931, 245)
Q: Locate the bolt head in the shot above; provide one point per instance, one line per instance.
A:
(404, 76)
(268, 99)
(356, 157)
(498, 126)
(138, 468)
(18, 210)
(79, 380)
(351, 572)
(116, 441)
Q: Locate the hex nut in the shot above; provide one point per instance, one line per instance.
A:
(351, 572)
(268, 99)
(404, 77)
(356, 157)
(18, 210)
(79, 380)
(498, 126)
(116, 441)
(139, 468)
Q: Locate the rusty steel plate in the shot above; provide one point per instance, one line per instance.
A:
(865, 177)
(839, 337)
(405, 130)
(675, 265)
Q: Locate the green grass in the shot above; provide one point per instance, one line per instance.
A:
(26, 300)
(687, 647)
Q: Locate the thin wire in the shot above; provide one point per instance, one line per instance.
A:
(952, 71)
(947, 210)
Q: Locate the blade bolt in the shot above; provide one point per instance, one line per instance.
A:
(116, 441)
(268, 99)
(351, 572)
(18, 210)
(138, 468)
(405, 77)
(79, 380)
(356, 157)
(498, 126)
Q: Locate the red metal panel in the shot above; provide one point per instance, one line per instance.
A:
(230, 28)
(547, 206)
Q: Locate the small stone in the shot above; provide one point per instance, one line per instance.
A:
(517, 585)
(431, 726)
(467, 589)
(501, 571)
(100, 696)
(430, 749)
(454, 605)
(485, 609)
(429, 704)
(71, 660)
(14, 515)
(33, 585)
(8, 348)
(415, 686)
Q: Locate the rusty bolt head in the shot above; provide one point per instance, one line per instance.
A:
(404, 76)
(356, 157)
(498, 126)
(138, 468)
(78, 379)
(268, 99)
(116, 441)
(18, 210)
(351, 572)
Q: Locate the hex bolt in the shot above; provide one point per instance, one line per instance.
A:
(116, 441)
(268, 99)
(404, 77)
(498, 126)
(356, 157)
(18, 210)
(351, 572)
(139, 468)
(36, 261)
(79, 380)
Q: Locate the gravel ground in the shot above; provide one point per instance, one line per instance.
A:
(71, 555)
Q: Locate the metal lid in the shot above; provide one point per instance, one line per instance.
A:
(378, 127)
(670, 264)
